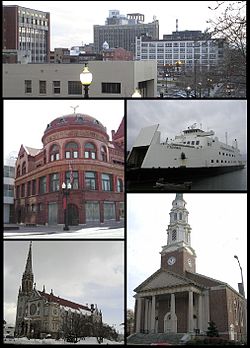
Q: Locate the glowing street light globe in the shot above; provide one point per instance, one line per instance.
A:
(86, 76)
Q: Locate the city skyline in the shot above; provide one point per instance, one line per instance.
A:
(80, 277)
(63, 14)
(218, 232)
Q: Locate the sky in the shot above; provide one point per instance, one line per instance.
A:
(80, 271)
(32, 117)
(176, 115)
(72, 22)
(219, 231)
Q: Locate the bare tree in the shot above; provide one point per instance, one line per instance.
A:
(130, 322)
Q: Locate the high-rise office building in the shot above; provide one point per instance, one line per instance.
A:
(28, 30)
(121, 31)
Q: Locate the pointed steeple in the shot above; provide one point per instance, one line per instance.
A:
(28, 277)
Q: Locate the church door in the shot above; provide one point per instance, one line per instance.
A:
(167, 323)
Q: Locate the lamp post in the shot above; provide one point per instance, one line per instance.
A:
(188, 90)
(199, 85)
(65, 190)
(86, 79)
(209, 82)
(241, 285)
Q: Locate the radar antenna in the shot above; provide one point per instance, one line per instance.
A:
(193, 126)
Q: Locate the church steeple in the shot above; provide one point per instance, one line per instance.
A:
(28, 277)
(178, 255)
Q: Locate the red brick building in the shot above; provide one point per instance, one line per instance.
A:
(76, 150)
(176, 300)
(118, 53)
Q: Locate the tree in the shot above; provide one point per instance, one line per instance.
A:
(130, 322)
(212, 330)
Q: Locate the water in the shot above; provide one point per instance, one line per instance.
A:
(232, 181)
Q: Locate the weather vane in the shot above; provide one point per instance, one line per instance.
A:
(75, 107)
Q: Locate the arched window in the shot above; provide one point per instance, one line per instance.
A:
(104, 154)
(71, 150)
(119, 185)
(54, 153)
(18, 171)
(24, 168)
(89, 151)
(180, 216)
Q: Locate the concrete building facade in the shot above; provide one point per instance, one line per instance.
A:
(121, 31)
(76, 150)
(177, 300)
(111, 79)
(8, 193)
(27, 29)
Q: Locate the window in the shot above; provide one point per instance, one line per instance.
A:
(42, 87)
(28, 86)
(175, 216)
(54, 153)
(9, 172)
(89, 151)
(111, 87)
(28, 188)
(109, 210)
(74, 181)
(119, 185)
(22, 190)
(104, 154)
(54, 182)
(197, 142)
(33, 187)
(42, 184)
(174, 235)
(106, 182)
(56, 87)
(71, 150)
(24, 168)
(180, 216)
(90, 180)
(18, 172)
(74, 87)
(8, 190)
(17, 191)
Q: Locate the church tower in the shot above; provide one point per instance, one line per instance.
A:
(28, 277)
(178, 256)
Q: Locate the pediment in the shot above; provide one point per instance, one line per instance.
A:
(162, 279)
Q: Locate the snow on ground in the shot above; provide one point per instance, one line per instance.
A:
(88, 340)
(92, 232)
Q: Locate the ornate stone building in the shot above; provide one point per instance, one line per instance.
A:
(76, 150)
(177, 300)
(39, 313)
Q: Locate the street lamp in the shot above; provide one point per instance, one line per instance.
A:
(136, 93)
(86, 79)
(188, 90)
(199, 84)
(209, 82)
(240, 285)
(65, 190)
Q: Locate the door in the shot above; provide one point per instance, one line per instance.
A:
(52, 212)
(73, 215)
(167, 323)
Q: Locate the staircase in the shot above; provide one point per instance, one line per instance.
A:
(147, 339)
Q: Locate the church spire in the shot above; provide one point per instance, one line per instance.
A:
(28, 277)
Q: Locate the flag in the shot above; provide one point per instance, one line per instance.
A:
(71, 176)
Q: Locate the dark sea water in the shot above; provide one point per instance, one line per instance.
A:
(233, 181)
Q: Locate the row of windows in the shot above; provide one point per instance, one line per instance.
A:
(74, 87)
(197, 142)
(8, 190)
(90, 178)
(222, 161)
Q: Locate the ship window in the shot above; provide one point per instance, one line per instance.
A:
(219, 153)
(212, 161)
(223, 153)
(188, 142)
(221, 161)
(192, 143)
(197, 142)
(226, 154)
(217, 161)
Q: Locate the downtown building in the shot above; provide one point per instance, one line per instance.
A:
(184, 50)
(121, 31)
(27, 32)
(177, 302)
(40, 314)
(76, 150)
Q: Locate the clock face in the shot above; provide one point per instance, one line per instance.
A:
(189, 263)
(171, 260)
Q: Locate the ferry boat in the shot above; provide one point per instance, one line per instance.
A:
(194, 153)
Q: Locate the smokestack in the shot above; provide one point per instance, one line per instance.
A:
(176, 25)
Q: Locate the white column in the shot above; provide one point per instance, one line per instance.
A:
(146, 314)
(138, 315)
(173, 315)
(153, 314)
(206, 314)
(200, 312)
(190, 311)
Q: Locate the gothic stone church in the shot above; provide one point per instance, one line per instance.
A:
(39, 313)
(176, 299)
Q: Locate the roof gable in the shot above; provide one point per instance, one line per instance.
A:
(63, 302)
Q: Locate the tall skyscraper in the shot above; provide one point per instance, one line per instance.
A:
(27, 30)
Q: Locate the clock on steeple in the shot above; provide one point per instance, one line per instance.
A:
(178, 256)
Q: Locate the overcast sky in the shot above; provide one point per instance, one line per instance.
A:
(32, 117)
(176, 115)
(219, 231)
(80, 271)
(72, 21)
